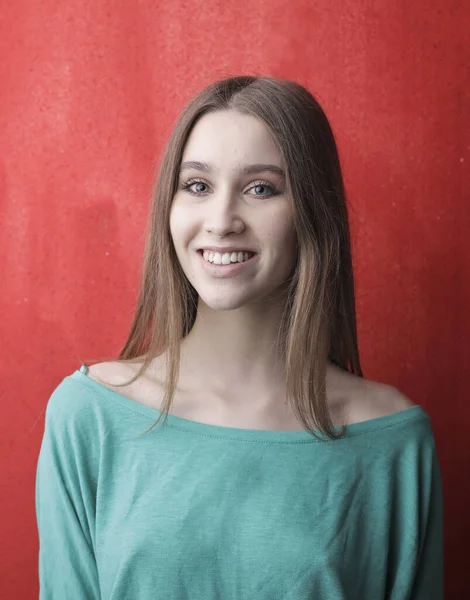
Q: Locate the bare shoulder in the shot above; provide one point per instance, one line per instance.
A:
(396, 399)
(377, 399)
(111, 373)
(114, 374)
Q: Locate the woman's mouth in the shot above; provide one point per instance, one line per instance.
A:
(224, 269)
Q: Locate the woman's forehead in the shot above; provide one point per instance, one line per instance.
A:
(229, 137)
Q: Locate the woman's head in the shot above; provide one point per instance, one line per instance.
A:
(235, 122)
(231, 198)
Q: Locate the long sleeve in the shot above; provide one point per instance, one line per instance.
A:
(429, 580)
(65, 505)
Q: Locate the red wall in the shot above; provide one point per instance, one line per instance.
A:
(89, 93)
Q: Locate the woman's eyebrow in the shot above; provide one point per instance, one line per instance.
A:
(244, 170)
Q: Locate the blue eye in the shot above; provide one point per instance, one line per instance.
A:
(263, 184)
(188, 185)
(259, 184)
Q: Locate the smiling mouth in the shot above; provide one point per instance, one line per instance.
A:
(241, 257)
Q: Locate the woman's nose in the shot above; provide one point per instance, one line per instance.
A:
(223, 215)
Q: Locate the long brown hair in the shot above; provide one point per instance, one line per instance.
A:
(319, 321)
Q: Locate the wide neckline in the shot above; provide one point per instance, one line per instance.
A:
(207, 429)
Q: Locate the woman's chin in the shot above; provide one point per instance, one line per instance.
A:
(220, 303)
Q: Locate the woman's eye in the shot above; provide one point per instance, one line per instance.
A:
(265, 186)
(194, 188)
(188, 185)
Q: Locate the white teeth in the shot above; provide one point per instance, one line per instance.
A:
(225, 259)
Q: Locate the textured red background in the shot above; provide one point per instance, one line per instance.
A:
(89, 93)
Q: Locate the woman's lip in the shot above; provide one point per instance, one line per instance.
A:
(202, 250)
(230, 270)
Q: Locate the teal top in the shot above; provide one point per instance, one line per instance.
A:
(199, 511)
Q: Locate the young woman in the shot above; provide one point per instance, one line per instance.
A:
(276, 471)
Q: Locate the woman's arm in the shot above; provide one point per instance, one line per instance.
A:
(429, 581)
(65, 507)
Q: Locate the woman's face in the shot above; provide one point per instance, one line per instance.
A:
(220, 205)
